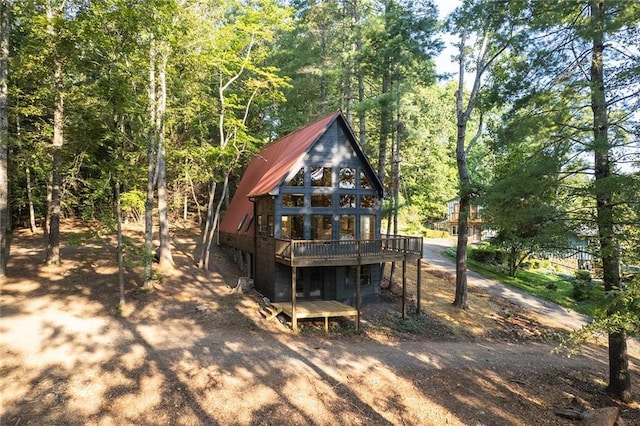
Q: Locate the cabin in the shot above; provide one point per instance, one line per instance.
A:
(304, 223)
(477, 229)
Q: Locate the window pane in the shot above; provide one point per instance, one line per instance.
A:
(292, 200)
(367, 227)
(321, 176)
(368, 201)
(365, 276)
(347, 178)
(347, 227)
(270, 225)
(364, 182)
(348, 201)
(298, 179)
(249, 222)
(321, 227)
(242, 221)
(293, 227)
(260, 223)
(322, 200)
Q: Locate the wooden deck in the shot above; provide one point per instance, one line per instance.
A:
(347, 252)
(317, 309)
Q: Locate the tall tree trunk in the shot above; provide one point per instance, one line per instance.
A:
(151, 150)
(460, 299)
(32, 212)
(195, 198)
(166, 259)
(362, 120)
(323, 75)
(619, 374)
(208, 224)
(53, 247)
(216, 219)
(120, 249)
(5, 228)
(385, 119)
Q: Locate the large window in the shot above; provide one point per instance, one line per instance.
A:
(292, 200)
(321, 176)
(367, 227)
(292, 227)
(321, 227)
(347, 227)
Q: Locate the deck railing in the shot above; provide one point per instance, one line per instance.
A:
(392, 246)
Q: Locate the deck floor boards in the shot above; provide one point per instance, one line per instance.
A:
(317, 309)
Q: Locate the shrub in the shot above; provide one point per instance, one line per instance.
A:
(582, 285)
(488, 256)
(584, 275)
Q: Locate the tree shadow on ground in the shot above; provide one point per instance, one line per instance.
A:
(195, 352)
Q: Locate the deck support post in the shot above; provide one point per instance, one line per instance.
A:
(418, 284)
(294, 318)
(404, 289)
(358, 297)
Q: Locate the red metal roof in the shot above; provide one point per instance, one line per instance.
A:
(267, 170)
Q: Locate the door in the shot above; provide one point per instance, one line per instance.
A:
(310, 283)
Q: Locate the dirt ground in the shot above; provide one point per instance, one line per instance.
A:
(194, 351)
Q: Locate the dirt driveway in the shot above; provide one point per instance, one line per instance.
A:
(196, 352)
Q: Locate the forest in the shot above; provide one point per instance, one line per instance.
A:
(149, 111)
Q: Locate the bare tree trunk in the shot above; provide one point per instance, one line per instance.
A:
(395, 155)
(45, 224)
(185, 197)
(5, 216)
(195, 198)
(122, 301)
(32, 213)
(323, 75)
(151, 149)
(385, 119)
(166, 259)
(462, 152)
(53, 247)
(619, 374)
(204, 253)
(216, 219)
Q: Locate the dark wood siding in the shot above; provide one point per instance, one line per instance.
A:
(265, 279)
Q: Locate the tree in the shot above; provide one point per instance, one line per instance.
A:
(5, 228)
(55, 18)
(487, 29)
(619, 374)
(584, 83)
(241, 80)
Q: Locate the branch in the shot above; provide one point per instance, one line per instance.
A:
(475, 137)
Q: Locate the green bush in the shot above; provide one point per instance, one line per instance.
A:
(583, 274)
(583, 286)
(488, 256)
